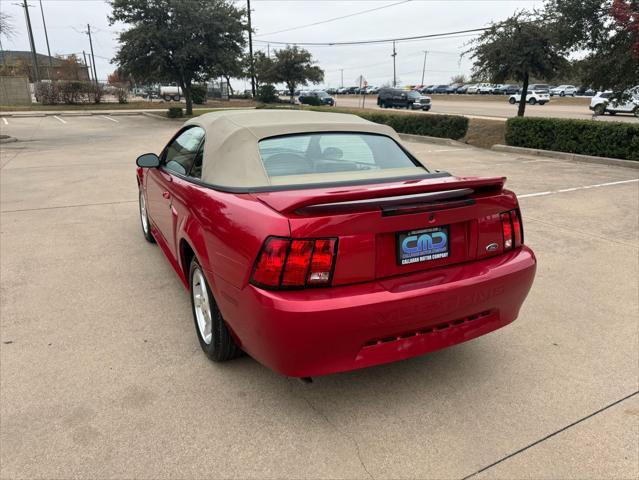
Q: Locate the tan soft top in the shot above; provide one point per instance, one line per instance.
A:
(231, 154)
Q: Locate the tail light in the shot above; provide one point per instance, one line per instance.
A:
(512, 229)
(293, 263)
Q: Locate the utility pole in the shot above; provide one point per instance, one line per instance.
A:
(342, 82)
(84, 55)
(95, 72)
(424, 69)
(36, 71)
(268, 50)
(46, 37)
(251, 63)
(394, 70)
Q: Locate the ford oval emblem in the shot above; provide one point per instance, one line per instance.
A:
(491, 247)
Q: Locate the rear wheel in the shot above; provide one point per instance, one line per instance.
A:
(532, 101)
(542, 103)
(176, 98)
(511, 100)
(167, 98)
(144, 220)
(612, 113)
(562, 94)
(215, 338)
(600, 109)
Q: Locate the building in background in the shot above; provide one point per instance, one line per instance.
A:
(20, 62)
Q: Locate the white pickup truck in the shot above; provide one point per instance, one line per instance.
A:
(170, 92)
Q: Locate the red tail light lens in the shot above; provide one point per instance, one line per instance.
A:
(518, 234)
(507, 230)
(512, 229)
(299, 258)
(288, 263)
(268, 268)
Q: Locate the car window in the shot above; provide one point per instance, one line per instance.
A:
(180, 154)
(321, 153)
(196, 169)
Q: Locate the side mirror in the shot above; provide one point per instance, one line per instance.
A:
(148, 160)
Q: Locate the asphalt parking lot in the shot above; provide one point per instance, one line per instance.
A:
(498, 108)
(101, 374)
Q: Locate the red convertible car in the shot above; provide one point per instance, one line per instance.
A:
(317, 243)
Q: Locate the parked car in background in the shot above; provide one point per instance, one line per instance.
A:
(532, 97)
(539, 87)
(428, 89)
(506, 89)
(603, 103)
(586, 91)
(418, 101)
(473, 88)
(484, 88)
(452, 88)
(322, 97)
(564, 90)
(331, 91)
(301, 240)
(393, 97)
(440, 89)
(495, 89)
(372, 90)
(464, 88)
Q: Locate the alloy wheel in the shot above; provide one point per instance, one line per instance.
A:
(202, 306)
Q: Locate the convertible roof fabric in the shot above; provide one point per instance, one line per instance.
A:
(231, 154)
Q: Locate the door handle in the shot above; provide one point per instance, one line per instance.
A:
(166, 195)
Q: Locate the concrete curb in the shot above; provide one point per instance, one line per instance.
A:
(155, 115)
(436, 140)
(8, 140)
(571, 157)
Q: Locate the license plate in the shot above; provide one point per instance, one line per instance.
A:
(422, 245)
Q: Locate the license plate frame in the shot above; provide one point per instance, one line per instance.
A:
(427, 247)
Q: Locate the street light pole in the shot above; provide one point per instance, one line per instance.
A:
(424, 69)
(342, 73)
(36, 71)
(95, 72)
(46, 37)
(251, 63)
(394, 69)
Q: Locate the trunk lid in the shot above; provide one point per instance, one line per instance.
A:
(377, 224)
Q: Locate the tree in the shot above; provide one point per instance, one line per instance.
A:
(182, 41)
(458, 79)
(519, 47)
(70, 68)
(7, 30)
(294, 66)
(608, 31)
(119, 79)
(263, 66)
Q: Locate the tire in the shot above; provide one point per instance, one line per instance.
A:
(512, 101)
(574, 94)
(426, 109)
(562, 94)
(214, 337)
(176, 98)
(542, 103)
(532, 101)
(144, 219)
(613, 113)
(599, 109)
(167, 98)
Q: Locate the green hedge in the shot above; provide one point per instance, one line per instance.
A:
(444, 126)
(586, 137)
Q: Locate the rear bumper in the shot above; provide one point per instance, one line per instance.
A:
(322, 331)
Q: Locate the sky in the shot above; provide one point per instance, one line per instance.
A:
(67, 23)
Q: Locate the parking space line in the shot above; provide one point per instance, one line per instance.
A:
(109, 118)
(572, 189)
(5, 121)
(59, 119)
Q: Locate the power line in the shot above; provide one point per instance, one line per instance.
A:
(334, 19)
(386, 40)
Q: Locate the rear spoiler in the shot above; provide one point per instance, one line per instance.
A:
(387, 195)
